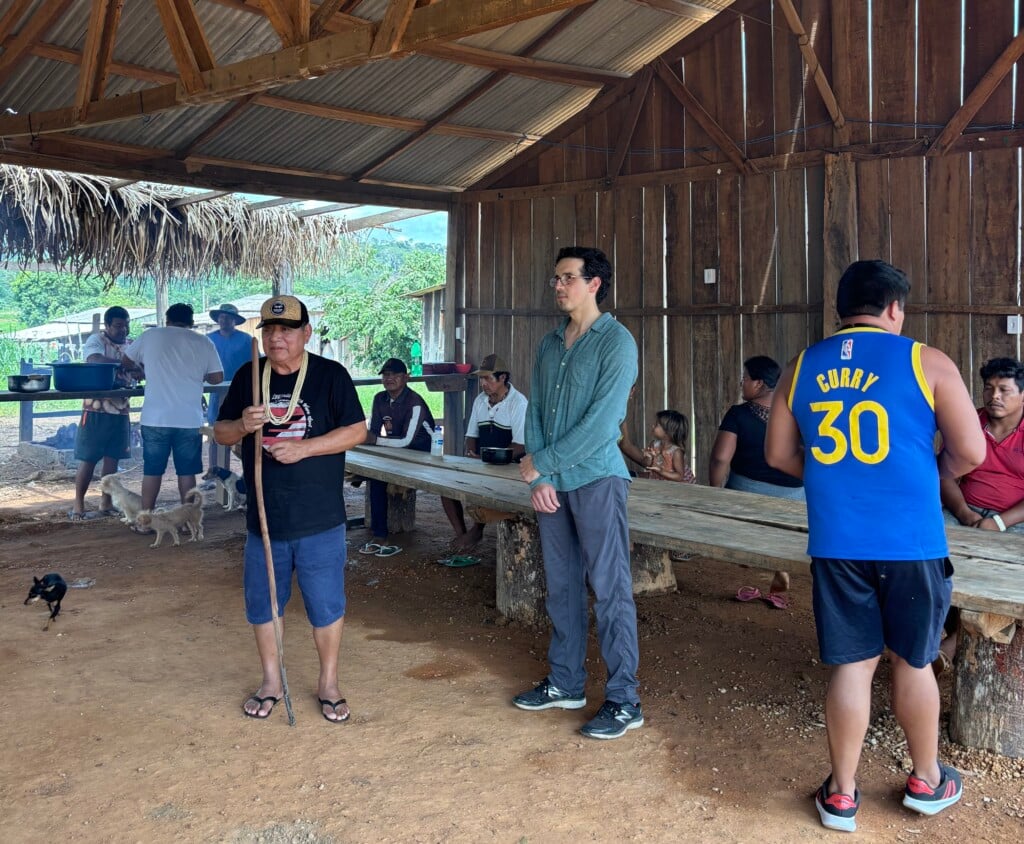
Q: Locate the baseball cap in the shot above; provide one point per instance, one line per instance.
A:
(490, 365)
(394, 365)
(283, 310)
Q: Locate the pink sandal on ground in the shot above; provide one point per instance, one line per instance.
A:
(777, 600)
(748, 593)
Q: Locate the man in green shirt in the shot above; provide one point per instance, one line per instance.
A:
(581, 382)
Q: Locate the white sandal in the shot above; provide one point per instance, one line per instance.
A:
(370, 548)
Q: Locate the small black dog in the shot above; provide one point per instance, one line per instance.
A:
(51, 589)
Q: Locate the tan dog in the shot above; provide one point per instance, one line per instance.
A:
(189, 514)
(123, 499)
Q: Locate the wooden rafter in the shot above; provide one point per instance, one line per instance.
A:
(99, 47)
(192, 199)
(300, 20)
(693, 107)
(567, 74)
(57, 53)
(636, 105)
(324, 12)
(271, 203)
(451, 19)
(547, 37)
(392, 28)
(813, 65)
(325, 209)
(385, 217)
(681, 8)
(280, 17)
(979, 96)
(187, 40)
(238, 108)
(29, 34)
(12, 16)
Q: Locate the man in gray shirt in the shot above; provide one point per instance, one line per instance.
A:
(581, 382)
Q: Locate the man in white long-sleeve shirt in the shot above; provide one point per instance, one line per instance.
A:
(396, 421)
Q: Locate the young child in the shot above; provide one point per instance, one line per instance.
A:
(665, 457)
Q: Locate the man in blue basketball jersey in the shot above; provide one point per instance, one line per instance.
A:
(856, 416)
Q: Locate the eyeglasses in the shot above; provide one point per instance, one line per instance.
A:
(566, 279)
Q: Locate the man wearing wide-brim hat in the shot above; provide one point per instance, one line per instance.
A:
(234, 348)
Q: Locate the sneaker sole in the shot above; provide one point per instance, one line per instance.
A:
(553, 704)
(830, 821)
(632, 725)
(931, 807)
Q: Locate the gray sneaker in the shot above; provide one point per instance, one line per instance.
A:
(613, 719)
(546, 696)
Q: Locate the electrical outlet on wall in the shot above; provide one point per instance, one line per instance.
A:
(710, 276)
(1013, 324)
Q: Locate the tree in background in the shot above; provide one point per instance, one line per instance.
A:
(365, 302)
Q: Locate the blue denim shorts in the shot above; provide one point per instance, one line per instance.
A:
(158, 444)
(864, 606)
(319, 563)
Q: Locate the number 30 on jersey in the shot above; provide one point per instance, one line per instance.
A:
(838, 419)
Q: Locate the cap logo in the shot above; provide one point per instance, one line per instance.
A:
(277, 308)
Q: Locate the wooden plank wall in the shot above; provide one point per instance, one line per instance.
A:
(950, 222)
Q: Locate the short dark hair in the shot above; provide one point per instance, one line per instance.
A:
(676, 425)
(180, 314)
(869, 287)
(116, 312)
(508, 377)
(595, 264)
(1004, 368)
(763, 368)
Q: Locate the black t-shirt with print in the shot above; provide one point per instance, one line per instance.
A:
(307, 497)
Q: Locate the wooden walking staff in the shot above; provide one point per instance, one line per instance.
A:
(265, 531)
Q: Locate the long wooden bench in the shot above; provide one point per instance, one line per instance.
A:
(762, 532)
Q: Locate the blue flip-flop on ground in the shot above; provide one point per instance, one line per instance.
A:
(459, 561)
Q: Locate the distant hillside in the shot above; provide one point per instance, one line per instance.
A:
(430, 228)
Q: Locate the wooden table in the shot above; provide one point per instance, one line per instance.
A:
(768, 533)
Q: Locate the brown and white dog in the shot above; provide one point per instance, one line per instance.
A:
(189, 515)
(123, 499)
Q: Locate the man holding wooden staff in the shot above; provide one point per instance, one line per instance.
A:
(310, 416)
(855, 416)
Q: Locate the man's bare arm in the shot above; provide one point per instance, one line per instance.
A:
(963, 440)
(783, 445)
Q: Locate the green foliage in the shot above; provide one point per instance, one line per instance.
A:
(43, 296)
(11, 354)
(366, 303)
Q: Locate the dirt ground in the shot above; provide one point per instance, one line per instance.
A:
(123, 722)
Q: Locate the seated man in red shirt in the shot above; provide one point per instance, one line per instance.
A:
(992, 496)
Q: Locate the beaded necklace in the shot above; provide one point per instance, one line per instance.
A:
(268, 413)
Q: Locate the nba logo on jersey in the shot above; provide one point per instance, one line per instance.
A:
(847, 350)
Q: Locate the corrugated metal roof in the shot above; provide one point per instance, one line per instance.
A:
(272, 136)
(618, 35)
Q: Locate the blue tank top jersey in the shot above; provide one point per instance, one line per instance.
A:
(867, 418)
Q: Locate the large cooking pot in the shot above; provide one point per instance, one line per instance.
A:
(497, 456)
(28, 383)
(82, 377)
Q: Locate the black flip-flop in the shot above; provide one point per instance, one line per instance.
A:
(334, 704)
(260, 701)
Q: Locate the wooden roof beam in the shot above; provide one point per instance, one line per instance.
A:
(104, 18)
(392, 28)
(272, 203)
(382, 219)
(56, 53)
(813, 65)
(280, 16)
(566, 74)
(187, 40)
(681, 8)
(979, 96)
(451, 19)
(12, 16)
(636, 105)
(707, 122)
(30, 33)
(194, 198)
(546, 37)
(323, 14)
(325, 209)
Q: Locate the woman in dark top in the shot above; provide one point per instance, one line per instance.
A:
(737, 458)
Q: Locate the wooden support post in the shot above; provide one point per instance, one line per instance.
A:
(520, 585)
(652, 570)
(25, 412)
(841, 247)
(988, 685)
(401, 508)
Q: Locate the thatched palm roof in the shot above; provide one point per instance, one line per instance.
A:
(93, 225)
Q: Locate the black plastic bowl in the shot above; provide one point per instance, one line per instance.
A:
(498, 456)
(82, 377)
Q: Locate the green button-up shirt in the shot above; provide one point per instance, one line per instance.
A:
(577, 403)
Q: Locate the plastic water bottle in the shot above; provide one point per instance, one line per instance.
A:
(437, 443)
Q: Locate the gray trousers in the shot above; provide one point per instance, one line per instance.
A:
(587, 540)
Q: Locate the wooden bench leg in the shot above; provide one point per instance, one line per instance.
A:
(521, 587)
(988, 686)
(652, 570)
(401, 507)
